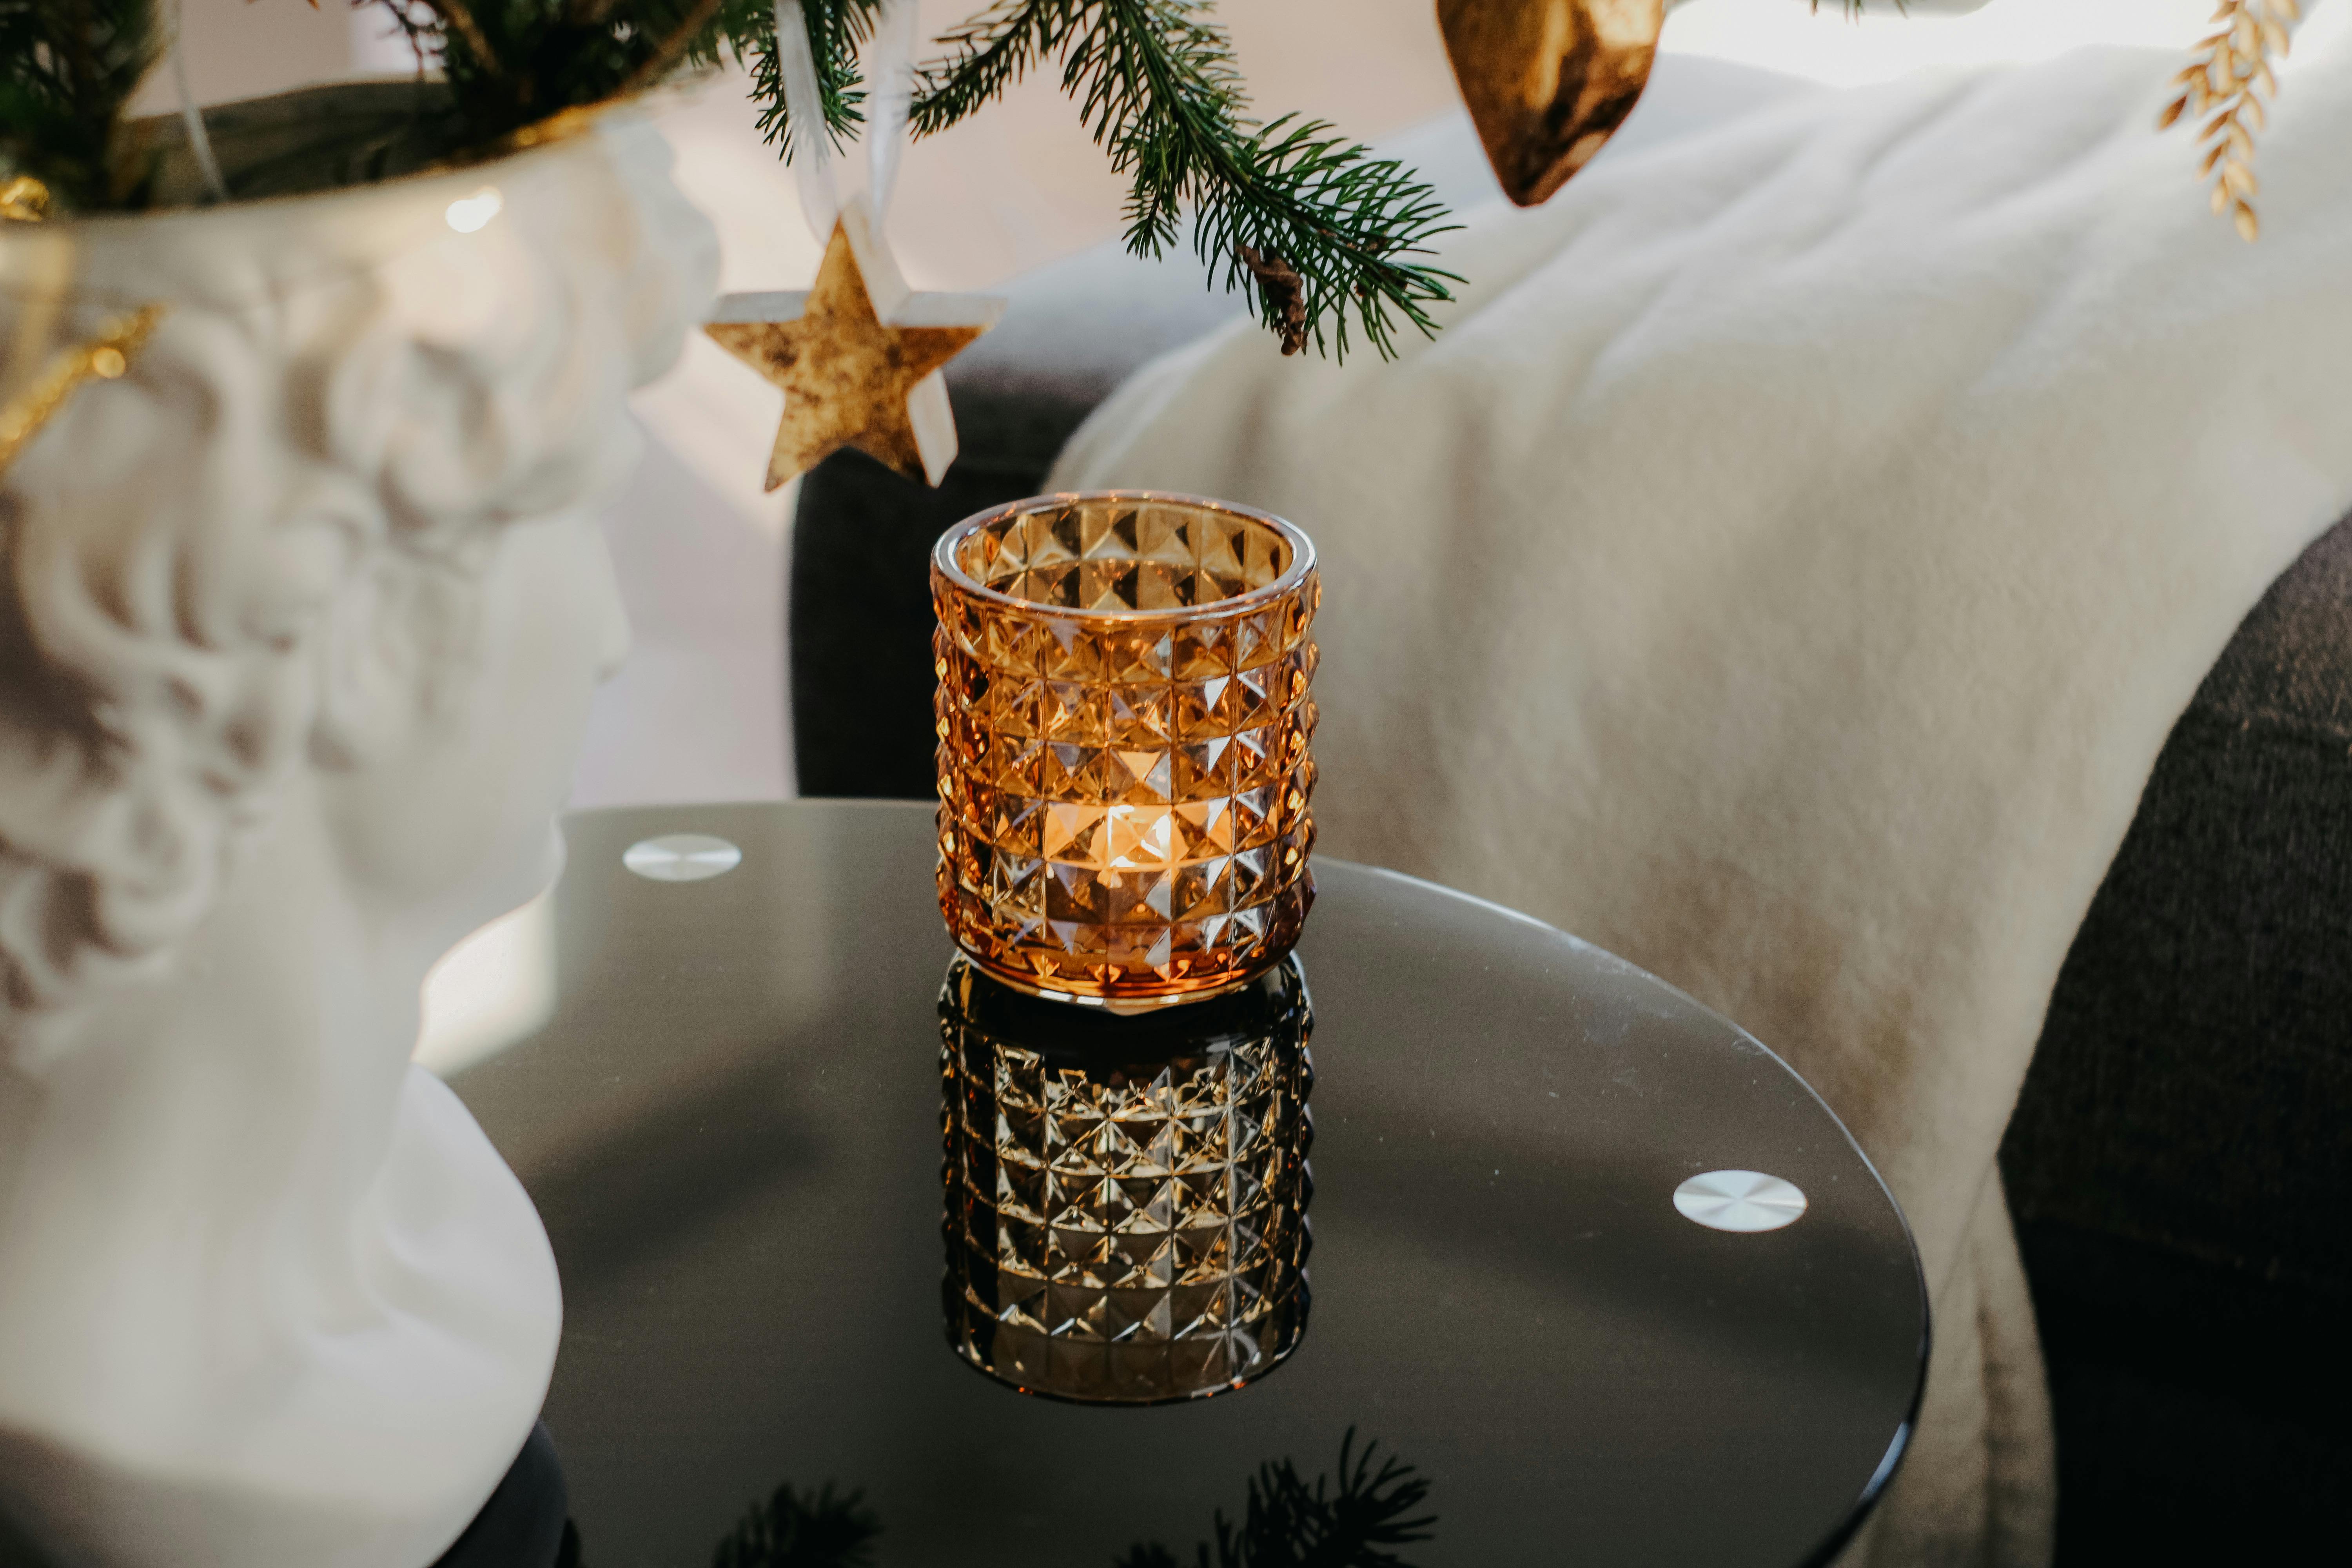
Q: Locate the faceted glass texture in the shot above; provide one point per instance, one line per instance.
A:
(1125, 1218)
(1123, 721)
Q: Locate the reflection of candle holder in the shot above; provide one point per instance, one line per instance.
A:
(1123, 723)
(1126, 1198)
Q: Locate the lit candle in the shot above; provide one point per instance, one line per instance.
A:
(1123, 765)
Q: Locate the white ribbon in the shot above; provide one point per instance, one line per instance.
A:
(200, 142)
(890, 75)
(804, 108)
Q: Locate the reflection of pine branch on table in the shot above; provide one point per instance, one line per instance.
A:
(789, 1531)
(1289, 1525)
(1347, 1521)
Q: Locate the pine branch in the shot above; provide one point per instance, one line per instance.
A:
(511, 62)
(989, 54)
(68, 67)
(1320, 235)
(1317, 225)
(459, 19)
(691, 31)
(786, 1531)
(837, 29)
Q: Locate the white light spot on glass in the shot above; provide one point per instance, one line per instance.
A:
(682, 857)
(1739, 1201)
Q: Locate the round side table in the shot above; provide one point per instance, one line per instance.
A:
(1588, 1257)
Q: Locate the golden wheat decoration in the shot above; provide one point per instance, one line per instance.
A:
(2232, 76)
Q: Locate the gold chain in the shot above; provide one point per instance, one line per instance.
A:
(103, 358)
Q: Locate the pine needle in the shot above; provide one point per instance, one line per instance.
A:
(837, 29)
(1331, 227)
(511, 63)
(68, 69)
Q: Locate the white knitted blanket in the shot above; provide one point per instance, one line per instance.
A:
(1783, 571)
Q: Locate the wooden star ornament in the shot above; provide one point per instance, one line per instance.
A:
(857, 356)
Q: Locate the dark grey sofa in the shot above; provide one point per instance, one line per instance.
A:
(2185, 1134)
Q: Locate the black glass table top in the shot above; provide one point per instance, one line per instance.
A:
(732, 1125)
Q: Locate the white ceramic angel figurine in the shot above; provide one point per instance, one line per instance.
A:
(298, 621)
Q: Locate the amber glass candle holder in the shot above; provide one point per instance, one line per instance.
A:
(1126, 1216)
(1123, 721)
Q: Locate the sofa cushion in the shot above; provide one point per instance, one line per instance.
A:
(2193, 1083)
(2177, 1147)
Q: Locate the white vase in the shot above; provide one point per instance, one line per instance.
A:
(299, 619)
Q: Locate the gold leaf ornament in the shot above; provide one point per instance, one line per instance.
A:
(1547, 82)
(24, 200)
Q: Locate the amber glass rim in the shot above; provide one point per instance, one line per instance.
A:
(1302, 558)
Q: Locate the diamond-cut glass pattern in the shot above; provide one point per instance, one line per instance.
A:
(1125, 1228)
(1123, 721)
